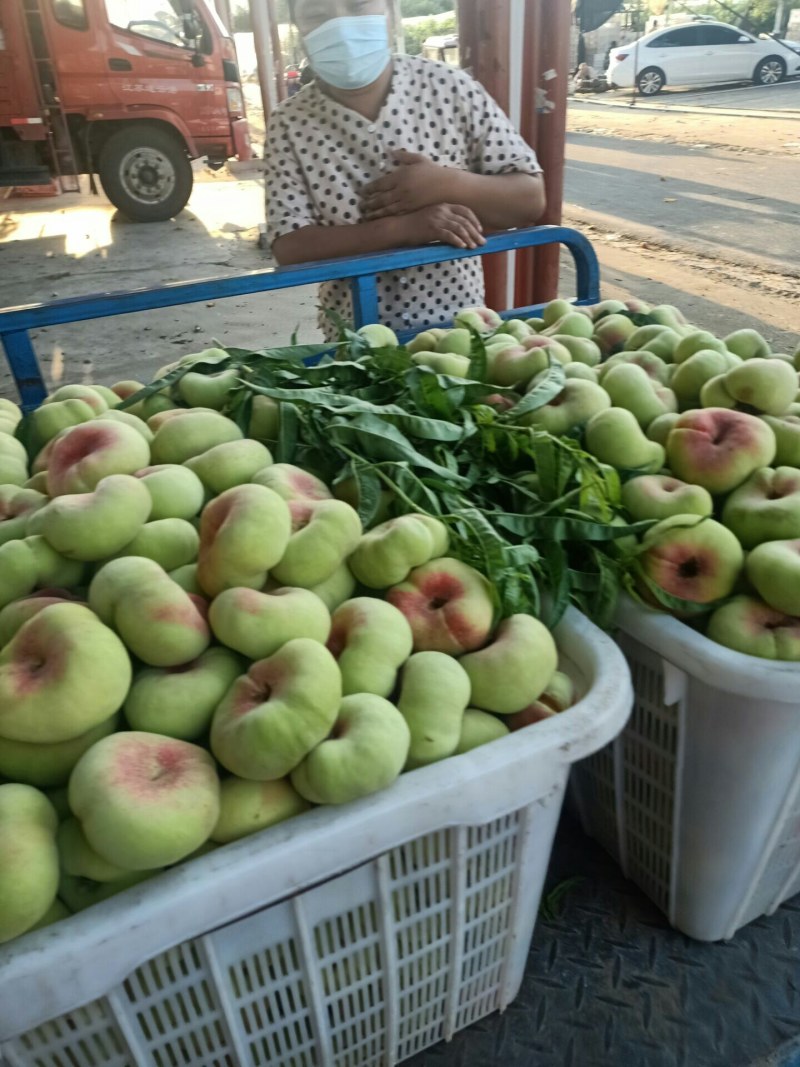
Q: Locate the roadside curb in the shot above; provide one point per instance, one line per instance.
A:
(578, 216)
(685, 109)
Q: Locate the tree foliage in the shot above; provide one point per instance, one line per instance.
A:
(417, 33)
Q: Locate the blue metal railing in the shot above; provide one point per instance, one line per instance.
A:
(361, 271)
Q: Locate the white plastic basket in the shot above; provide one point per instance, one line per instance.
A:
(698, 798)
(266, 953)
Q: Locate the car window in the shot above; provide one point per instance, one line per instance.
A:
(723, 35)
(681, 37)
(71, 13)
(160, 20)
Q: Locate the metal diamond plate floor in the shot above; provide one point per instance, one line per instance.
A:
(609, 983)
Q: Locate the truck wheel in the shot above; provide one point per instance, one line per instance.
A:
(145, 173)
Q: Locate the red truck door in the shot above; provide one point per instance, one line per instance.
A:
(162, 56)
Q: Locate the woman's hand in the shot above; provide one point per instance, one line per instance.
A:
(415, 183)
(451, 224)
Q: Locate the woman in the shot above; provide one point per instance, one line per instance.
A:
(383, 151)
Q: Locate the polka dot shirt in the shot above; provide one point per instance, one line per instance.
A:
(320, 155)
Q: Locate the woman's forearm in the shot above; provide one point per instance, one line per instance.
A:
(330, 242)
(501, 201)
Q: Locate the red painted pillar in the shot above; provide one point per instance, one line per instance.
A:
(483, 37)
(514, 48)
(529, 128)
(553, 62)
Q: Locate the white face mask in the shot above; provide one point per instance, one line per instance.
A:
(349, 52)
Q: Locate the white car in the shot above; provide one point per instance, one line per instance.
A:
(699, 53)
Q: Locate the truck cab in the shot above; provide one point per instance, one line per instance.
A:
(132, 90)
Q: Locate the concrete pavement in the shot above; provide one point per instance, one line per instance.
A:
(735, 204)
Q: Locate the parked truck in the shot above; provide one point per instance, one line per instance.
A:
(129, 90)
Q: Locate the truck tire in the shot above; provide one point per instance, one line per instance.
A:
(145, 173)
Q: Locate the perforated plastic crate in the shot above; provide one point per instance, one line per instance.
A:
(698, 799)
(352, 937)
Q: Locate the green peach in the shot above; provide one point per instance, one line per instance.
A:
(713, 394)
(425, 341)
(370, 641)
(661, 340)
(81, 893)
(448, 604)
(457, 342)
(96, 524)
(717, 448)
(49, 765)
(31, 563)
(78, 858)
(17, 613)
(482, 319)
(186, 578)
(387, 553)
(244, 533)
(769, 385)
(83, 456)
(607, 307)
(378, 336)
(175, 491)
(127, 419)
(444, 363)
(573, 324)
(615, 437)
(207, 390)
(336, 589)
(434, 693)
(766, 507)
(479, 728)
(555, 310)
(697, 341)
(774, 571)
(172, 543)
(630, 387)
(190, 434)
(691, 375)
(258, 624)
(659, 429)
(80, 392)
(515, 668)
(13, 461)
(57, 911)
(364, 754)
(180, 701)
(16, 507)
(28, 859)
(577, 402)
(50, 419)
(292, 483)
(61, 675)
(160, 623)
(693, 558)
(651, 364)
(577, 370)
(612, 332)
(746, 624)
(747, 344)
(582, 350)
(265, 419)
(657, 496)
(229, 464)
(274, 715)
(787, 437)
(323, 536)
(143, 800)
(247, 807)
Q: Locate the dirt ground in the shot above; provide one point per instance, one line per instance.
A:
(75, 245)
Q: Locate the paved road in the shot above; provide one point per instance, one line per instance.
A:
(769, 98)
(741, 203)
